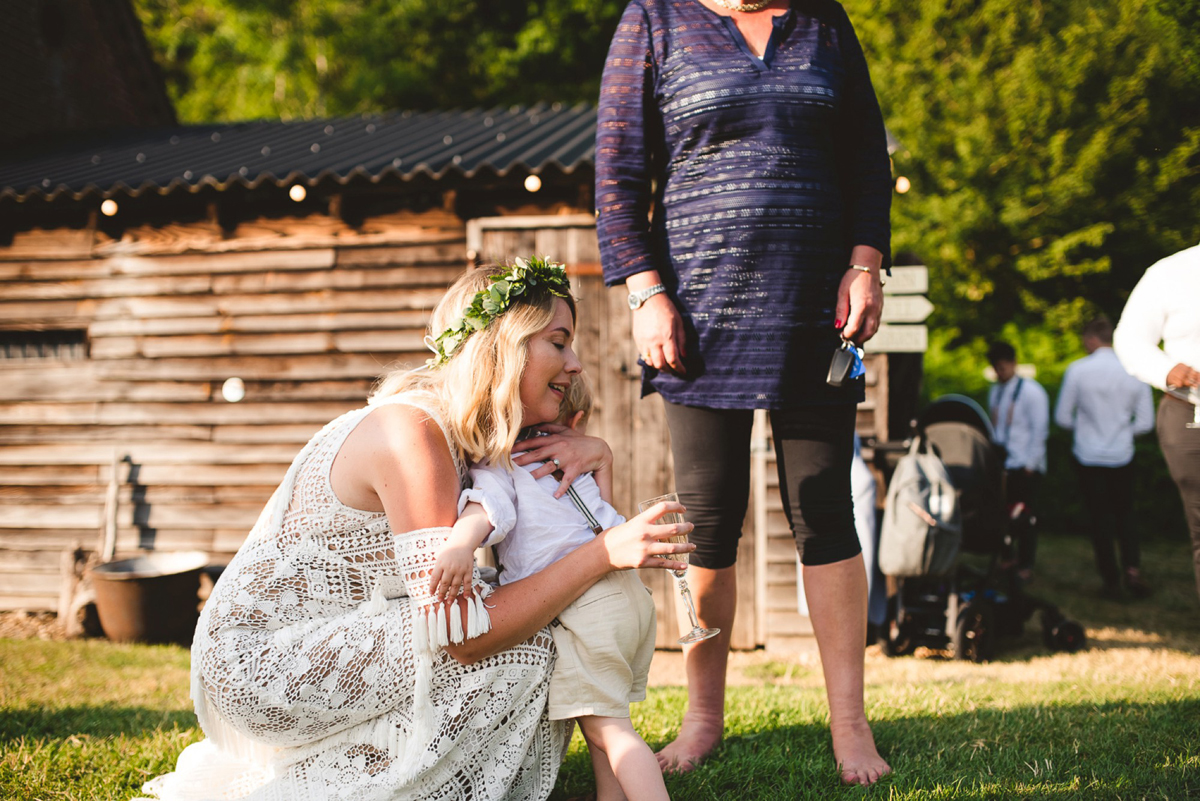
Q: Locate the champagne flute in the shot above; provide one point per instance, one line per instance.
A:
(698, 633)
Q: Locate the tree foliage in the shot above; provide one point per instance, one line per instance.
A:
(246, 59)
(1053, 149)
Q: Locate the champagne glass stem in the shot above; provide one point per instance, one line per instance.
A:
(686, 592)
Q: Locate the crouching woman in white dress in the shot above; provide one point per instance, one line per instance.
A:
(322, 667)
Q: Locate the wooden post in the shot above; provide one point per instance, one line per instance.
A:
(108, 541)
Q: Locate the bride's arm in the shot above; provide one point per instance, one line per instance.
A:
(408, 466)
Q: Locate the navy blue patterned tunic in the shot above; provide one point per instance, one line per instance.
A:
(745, 182)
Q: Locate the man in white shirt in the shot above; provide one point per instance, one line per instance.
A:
(1106, 408)
(1020, 411)
(1165, 307)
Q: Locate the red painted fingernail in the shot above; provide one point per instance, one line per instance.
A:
(837, 323)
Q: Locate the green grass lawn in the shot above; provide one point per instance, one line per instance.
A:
(93, 720)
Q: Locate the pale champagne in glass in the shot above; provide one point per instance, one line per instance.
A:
(698, 633)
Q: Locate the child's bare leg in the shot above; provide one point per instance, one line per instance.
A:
(607, 786)
(614, 742)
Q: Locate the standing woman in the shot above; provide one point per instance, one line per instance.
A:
(743, 190)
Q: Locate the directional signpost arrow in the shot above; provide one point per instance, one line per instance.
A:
(908, 281)
(899, 339)
(906, 309)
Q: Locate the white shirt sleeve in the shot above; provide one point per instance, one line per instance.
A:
(1143, 412)
(1068, 401)
(1038, 411)
(1137, 335)
(492, 488)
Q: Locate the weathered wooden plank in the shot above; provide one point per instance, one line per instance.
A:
(38, 315)
(284, 234)
(20, 434)
(782, 573)
(318, 301)
(260, 324)
(51, 270)
(227, 541)
(163, 453)
(22, 560)
(155, 516)
(782, 597)
(32, 475)
(341, 278)
(258, 344)
(787, 624)
(452, 252)
(780, 549)
(211, 345)
(378, 341)
(115, 287)
(141, 414)
(83, 381)
(251, 434)
(57, 243)
(34, 516)
(94, 494)
(257, 368)
(353, 391)
(204, 475)
(216, 263)
(40, 602)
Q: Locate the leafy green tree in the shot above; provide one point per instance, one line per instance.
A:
(246, 59)
(1053, 149)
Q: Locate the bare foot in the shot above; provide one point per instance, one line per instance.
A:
(697, 738)
(856, 755)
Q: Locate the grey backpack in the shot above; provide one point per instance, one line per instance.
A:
(922, 520)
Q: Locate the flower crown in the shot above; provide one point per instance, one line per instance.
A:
(497, 298)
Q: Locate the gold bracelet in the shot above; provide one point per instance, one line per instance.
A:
(869, 271)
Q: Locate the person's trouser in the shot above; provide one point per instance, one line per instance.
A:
(1108, 496)
(1181, 448)
(814, 448)
(1022, 487)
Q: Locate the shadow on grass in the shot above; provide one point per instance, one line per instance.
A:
(89, 721)
(1107, 750)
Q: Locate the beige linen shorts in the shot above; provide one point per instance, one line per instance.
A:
(605, 641)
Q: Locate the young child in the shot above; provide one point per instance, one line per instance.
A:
(605, 639)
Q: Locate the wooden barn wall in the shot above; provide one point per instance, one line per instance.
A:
(307, 312)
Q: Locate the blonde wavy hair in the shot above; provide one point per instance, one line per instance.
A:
(479, 389)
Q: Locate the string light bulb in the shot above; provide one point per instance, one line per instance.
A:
(533, 183)
(297, 193)
(108, 208)
(903, 185)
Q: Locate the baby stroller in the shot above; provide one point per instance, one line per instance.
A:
(973, 596)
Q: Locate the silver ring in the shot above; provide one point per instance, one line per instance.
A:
(556, 463)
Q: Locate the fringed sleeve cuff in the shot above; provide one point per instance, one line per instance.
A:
(438, 623)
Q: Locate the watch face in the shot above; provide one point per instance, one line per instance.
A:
(634, 302)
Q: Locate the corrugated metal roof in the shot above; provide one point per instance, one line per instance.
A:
(404, 144)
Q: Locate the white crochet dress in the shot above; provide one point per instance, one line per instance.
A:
(312, 677)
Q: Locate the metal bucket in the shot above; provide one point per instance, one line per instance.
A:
(150, 598)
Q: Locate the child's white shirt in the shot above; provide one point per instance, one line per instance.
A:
(532, 528)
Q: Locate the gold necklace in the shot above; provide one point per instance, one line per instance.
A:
(732, 5)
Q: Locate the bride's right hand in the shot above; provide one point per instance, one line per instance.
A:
(641, 541)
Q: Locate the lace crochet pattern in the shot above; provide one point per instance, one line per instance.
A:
(317, 674)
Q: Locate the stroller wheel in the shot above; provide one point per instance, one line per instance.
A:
(1060, 634)
(897, 639)
(975, 632)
